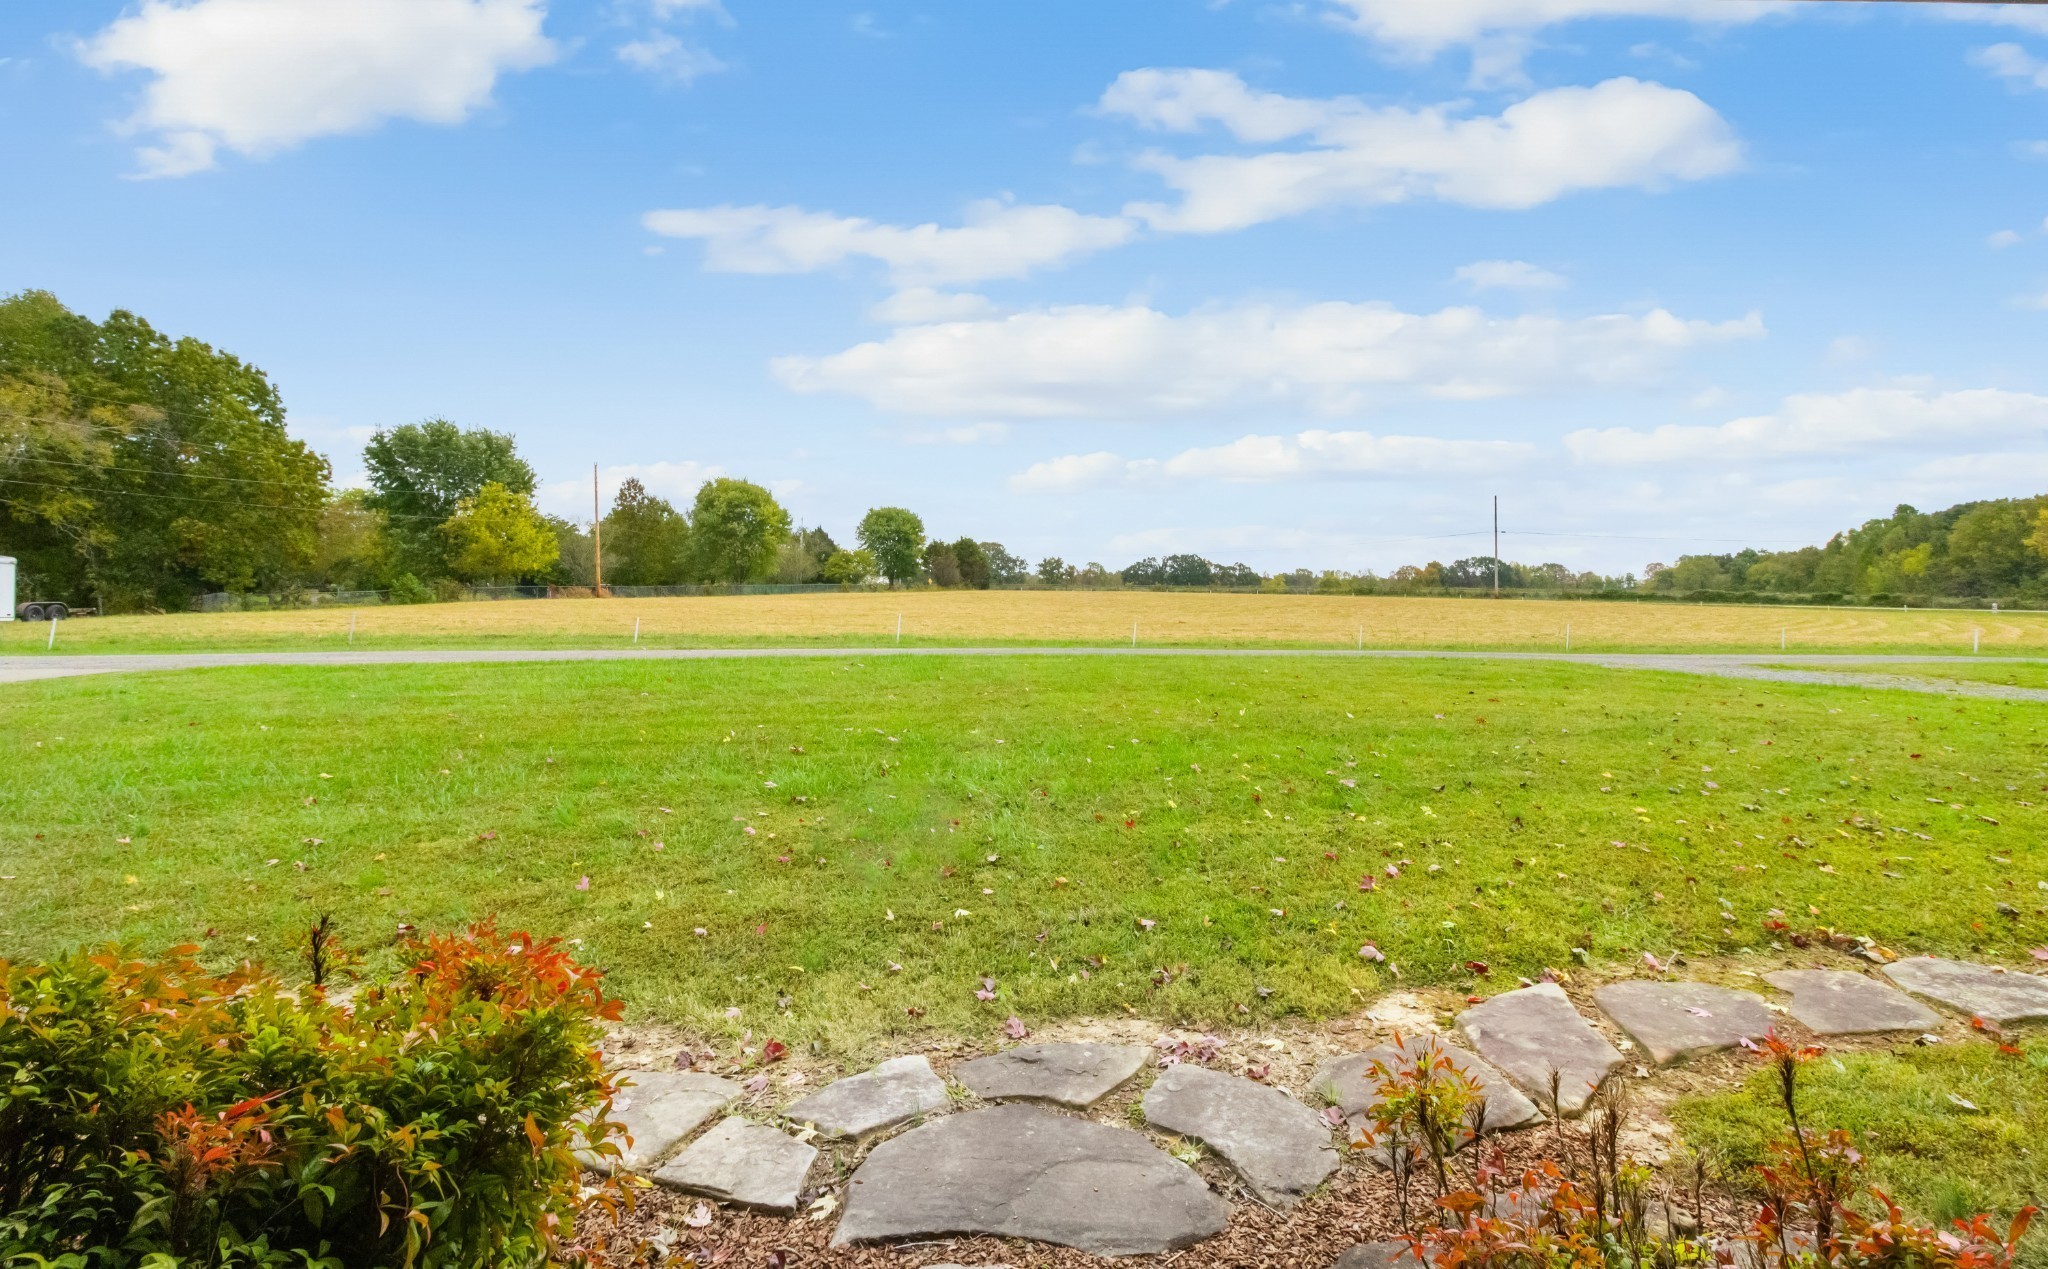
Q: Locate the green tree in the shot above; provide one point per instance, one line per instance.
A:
(136, 469)
(1052, 570)
(849, 568)
(420, 472)
(497, 536)
(2038, 539)
(1005, 569)
(895, 537)
(736, 528)
(646, 540)
(941, 566)
(351, 550)
(972, 562)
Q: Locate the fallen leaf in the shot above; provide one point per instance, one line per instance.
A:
(1015, 1028)
(699, 1216)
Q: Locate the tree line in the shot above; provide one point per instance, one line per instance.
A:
(137, 471)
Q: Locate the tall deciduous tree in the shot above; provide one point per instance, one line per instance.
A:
(420, 472)
(136, 469)
(736, 527)
(895, 537)
(646, 540)
(496, 536)
(972, 562)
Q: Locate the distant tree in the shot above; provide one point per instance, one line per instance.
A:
(350, 549)
(1052, 570)
(1145, 572)
(1004, 569)
(647, 541)
(496, 536)
(895, 537)
(1093, 576)
(2038, 539)
(849, 568)
(420, 472)
(1236, 575)
(972, 562)
(736, 528)
(1186, 570)
(817, 543)
(941, 565)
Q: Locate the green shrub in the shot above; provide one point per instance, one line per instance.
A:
(407, 589)
(159, 1115)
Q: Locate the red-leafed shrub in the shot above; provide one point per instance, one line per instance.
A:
(156, 1114)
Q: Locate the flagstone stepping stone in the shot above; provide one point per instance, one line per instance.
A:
(1680, 1020)
(1021, 1171)
(899, 1089)
(1076, 1075)
(1394, 1253)
(660, 1109)
(1349, 1084)
(1995, 995)
(746, 1164)
(1837, 1002)
(1280, 1147)
(1533, 1031)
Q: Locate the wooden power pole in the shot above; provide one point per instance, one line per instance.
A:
(1496, 546)
(596, 536)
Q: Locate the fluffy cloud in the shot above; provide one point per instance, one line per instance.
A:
(1508, 275)
(2010, 61)
(997, 240)
(676, 482)
(1424, 28)
(1621, 133)
(1311, 455)
(924, 304)
(260, 76)
(1861, 421)
(1137, 362)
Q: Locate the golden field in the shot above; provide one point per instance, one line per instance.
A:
(933, 617)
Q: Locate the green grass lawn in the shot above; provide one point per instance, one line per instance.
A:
(1941, 1158)
(860, 840)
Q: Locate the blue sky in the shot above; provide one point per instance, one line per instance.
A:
(1298, 284)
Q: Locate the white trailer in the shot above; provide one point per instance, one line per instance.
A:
(6, 588)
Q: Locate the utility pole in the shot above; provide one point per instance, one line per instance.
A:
(596, 537)
(1496, 546)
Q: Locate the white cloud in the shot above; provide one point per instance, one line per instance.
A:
(2010, 61)
(924, 304)
(997, 240)
(1423, 27)
(662, 53)
(2002, 239)
(676, 482)
(964, 434)
(260, 76)
(1509, 275)
(1858, 422)
(1136, 362)
(1623, 133)
(1844, 350)
(1311, 455)
(2025, 17)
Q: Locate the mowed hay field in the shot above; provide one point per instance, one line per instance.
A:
(961, 618)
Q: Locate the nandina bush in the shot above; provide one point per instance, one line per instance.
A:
(1589, 1206)
(155, 1114)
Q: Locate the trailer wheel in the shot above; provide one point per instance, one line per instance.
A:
(56, 612)
(30, 612)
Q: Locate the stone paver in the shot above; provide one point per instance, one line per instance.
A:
(1019, 1171)
(1280, 1147)
(899, 1089)
(1680, 1020)
(1997, 996)
(1838, 1002)
(1534, 1031)
(743, 1163)
(1394, 1253)
(1076, 1075)
(1349, 1084)
(660, 1109)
